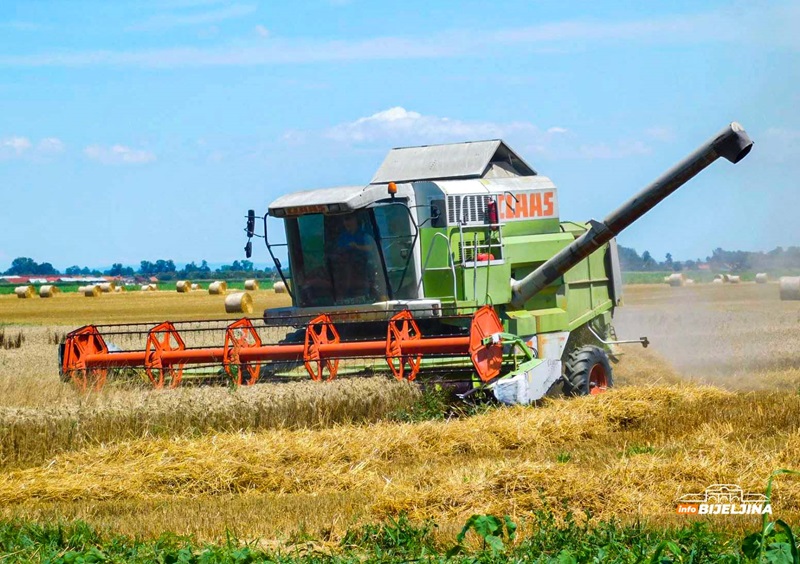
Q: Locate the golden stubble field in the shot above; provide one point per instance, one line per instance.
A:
(713, 400)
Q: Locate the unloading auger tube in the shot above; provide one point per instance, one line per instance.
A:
(732, 143)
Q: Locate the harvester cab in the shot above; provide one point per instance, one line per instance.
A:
(451, 263)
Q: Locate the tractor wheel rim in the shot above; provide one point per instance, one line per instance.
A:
(598, 379)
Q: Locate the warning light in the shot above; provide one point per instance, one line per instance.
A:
(392, 188)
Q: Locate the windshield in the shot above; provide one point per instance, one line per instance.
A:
(357, 258)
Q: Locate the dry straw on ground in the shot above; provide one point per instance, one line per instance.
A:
(627, 454)
(181, 462)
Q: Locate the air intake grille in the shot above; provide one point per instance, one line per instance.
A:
(469, 210)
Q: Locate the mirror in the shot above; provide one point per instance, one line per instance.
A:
(251, 222)
(248, 249)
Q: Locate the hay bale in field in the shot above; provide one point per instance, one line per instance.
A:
(279, 287)
(107, 287)
(717, 281)
(762, 278)
(92, 291)
(25, 291)
(149, 288)
(119, 289)
(734, 279)
(48, 291)
(689, 281)
(184, 286)
(666, 279)
(195, 286)
(218, 287)
(251, 285)
(675, 280)
(240, 302)
(789, 287)
(153, 287)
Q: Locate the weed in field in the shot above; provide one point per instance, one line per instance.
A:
(11, 341)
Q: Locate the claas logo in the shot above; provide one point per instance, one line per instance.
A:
(527, 205)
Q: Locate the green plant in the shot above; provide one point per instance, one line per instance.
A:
(491, 529)
(635, 449)
(563, 457)
(775, 543)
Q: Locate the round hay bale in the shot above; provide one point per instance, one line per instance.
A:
(92, 291)
(789, 287)
(240, 302)
(676, 279)
(148, 288)
(153, 287)
(666, 279)
(734, 279)
(689, 281)
(184, 286)
(717, 281)
(195, 286)
(107, 287)
(25, 292)
(218, 287)
(48, 291)
(119, 289)
(251, 285)
(762, 278)
(279, 287)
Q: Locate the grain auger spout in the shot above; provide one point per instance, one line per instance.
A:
(732, 143)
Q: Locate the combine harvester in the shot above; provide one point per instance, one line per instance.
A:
(451, 264)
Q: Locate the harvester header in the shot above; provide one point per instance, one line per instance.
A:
(452, 263)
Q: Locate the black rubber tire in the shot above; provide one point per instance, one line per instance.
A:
(586, 369)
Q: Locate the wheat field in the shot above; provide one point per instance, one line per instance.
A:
(715, 399)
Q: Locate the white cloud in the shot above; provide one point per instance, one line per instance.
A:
(664, 134)
(767, 25)
(118, 154)
(171, 20)
(15, 146)
(780, 144)
(262, 31)
(615, 151)
(400, 124)
(50, 146)
(556, 129)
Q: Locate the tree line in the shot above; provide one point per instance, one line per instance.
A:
(163, 269)
(719, 260)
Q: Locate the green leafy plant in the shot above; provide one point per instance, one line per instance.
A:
(775, 543)
(492, 530)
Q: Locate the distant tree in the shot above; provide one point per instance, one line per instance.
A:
(118, 270)
(24, 265)
(648, 262)
(73, 271)
(629, 259)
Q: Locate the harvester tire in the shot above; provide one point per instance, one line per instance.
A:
(587, 372)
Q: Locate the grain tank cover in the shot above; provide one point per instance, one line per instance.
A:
(474, 159)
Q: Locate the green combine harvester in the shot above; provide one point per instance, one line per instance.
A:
(453, 262)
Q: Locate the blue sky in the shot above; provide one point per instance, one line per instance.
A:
(144, 130)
